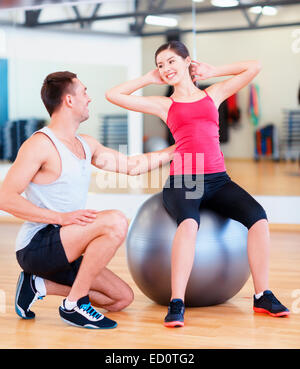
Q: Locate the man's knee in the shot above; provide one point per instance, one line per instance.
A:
(118, 225)
(125, 300)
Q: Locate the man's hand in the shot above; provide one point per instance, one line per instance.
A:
(80, 217)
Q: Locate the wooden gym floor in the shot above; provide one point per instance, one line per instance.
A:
(230, 325)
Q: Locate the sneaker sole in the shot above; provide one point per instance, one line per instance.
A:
(175, 324)
(18, 309)
(86, 326)
(264, 311)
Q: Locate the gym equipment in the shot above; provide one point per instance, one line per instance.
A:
(220, 267)
(13, 133)
(290, 134)
(266, 142)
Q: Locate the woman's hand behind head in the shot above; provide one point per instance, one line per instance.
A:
(201, 71)
(155, 78)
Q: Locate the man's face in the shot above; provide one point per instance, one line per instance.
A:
(81, 101)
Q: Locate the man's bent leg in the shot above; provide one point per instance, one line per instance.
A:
(75, 238)
(108, 291)
(98, 242)
(113, 293)
(103, 237)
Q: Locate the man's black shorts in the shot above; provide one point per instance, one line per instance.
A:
(45, 257)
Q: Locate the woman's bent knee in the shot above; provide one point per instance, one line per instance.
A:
(258, 223)
(256, 215)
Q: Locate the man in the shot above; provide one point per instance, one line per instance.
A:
(62, 247)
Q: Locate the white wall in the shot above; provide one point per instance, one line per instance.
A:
(100, 61)
(278, 81)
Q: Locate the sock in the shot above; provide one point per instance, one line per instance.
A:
(69, 305)
(40, 286)
(258, 295)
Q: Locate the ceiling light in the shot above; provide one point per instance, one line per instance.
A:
(269, 10)
(198, 1)
(225, 3)
(256, 9)
(266, 10)
(161, 21)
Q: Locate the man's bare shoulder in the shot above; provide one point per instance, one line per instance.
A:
(37, 144)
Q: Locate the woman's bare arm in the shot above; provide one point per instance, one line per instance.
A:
(122, 95)
(243, 73)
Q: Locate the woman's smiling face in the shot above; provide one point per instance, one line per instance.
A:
(172, 67)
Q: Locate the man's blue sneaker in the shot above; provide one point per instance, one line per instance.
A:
(85, 316)
(175, 316)
(26, 295)
(269, 304)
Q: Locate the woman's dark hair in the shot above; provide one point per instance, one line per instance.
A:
(55, 86)
(178, 47)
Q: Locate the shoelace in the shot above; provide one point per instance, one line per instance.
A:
(175, 307)
(90, 310)
(273, 299)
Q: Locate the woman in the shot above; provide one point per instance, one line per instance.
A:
(192, 116)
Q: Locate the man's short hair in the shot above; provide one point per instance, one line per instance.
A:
(55, 86)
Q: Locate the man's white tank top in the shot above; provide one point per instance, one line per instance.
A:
(67, 193)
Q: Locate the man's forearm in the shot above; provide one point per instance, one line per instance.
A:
(20, 207)
(143, 163)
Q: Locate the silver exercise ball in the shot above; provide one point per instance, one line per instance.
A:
(220, 267)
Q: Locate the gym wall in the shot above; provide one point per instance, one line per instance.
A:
(99, 61)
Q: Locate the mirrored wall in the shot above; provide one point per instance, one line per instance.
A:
(48, 36)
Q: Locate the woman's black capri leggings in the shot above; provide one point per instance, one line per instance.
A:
(184, 195)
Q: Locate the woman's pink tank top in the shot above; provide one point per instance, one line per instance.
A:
(195, 128)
